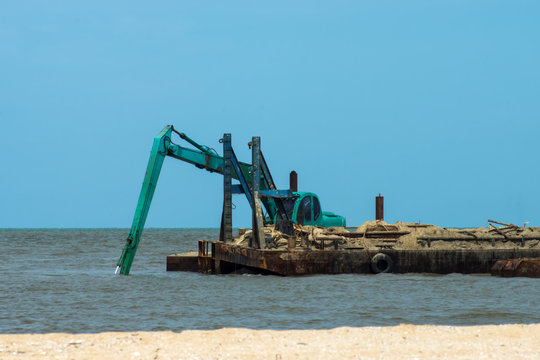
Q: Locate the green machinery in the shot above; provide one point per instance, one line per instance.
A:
(283, 207)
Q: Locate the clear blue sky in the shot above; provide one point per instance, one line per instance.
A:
(433, 104)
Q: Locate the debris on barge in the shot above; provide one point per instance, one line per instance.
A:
(379, 235)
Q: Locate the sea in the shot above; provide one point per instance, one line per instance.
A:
(62, 280)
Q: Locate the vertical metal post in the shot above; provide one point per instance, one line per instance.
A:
(293, 181)
(379, 207)
(226, 217)
(258, 224)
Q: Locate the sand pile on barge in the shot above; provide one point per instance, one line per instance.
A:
(376, 235)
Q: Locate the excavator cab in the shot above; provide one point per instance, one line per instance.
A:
(307, 211)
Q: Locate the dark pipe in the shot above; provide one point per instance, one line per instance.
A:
(379, 207)
(293, 181)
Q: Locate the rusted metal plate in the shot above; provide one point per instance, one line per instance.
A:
(304, 262)
(206, 265)
(294, 262)
(183, 262)
(517, 267)
(218, 257)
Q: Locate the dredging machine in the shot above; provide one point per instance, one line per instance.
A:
(283, 207)
(296, 237)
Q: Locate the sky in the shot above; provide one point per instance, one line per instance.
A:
(433, 104)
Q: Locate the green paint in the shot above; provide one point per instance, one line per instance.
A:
(307, 212)
(157, 155)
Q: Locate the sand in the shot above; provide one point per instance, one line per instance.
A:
(376, 235)
(396, 342)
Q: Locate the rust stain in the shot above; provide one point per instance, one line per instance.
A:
(523, 267)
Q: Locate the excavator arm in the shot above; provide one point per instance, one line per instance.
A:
(153, 169)
(203, 157)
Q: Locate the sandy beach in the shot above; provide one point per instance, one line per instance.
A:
(396, 342)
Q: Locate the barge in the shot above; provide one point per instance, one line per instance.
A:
(375, 247)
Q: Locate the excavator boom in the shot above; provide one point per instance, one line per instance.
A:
(157, 156)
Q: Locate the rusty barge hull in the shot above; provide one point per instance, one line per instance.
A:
(517, 267)
(222, 258)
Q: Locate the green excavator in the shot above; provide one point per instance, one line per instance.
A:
(296, 207)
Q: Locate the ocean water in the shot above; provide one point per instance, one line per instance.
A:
(63, 281)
